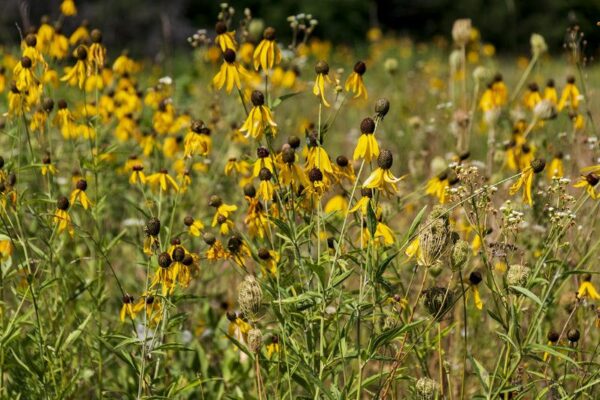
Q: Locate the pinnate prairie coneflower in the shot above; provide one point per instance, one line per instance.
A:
(532, 96)
(550, 92)
(437, 186)
(290, 173)
(265, 187)
(525, 180)
(137, 174)
(164, 274)
(127, 308)
(556, 167)
(570, 95)
(23, 75)
(78, 73)
(474, 280)
(269, 260)
(151, 231)
(97, 52)
(363, 203)
(81, 34)
(267, 54)
(229, 73)
(589, 182)
(225, 40)
(221, 209)
(316, 155)
(197, 141)
(194, 226)
(31, 51)
(382, 178)
(47, 166)
(79, 194)
(62, 219)
(322, 70)
(65, 121)
(367, 147)
(259, 118)
(264, 160)
(587, 289)
(162, 181)
(355, 83)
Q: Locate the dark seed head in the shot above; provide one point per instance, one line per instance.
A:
(150, 300)
(342, 161)
(382, 106)
(81, 185)
(96, 35)
(221, 219)
(360, 68)
(209, 238)
(533, 87)
(385, 159)
(229, 56)
(262, 152)
(592, 179)
(127, 299)
(322, 68)
(220, 27)
(550, 83)
(573, 335)
(288, 156)
(153, 227)
(475, 278)
(249, 190)
(269, 33)
(26, 62)
(366, 192)
(294, 142)
(586, 277)
(315, 175)
(187, 260)
(62, 203)
(81, 53)
(331, 242)
(164, 260)
(178, 254)
(1, 162)
(31, 40)
(553, 336)
(498, 77)
(464, 155)
(265, 174)
(234, 243)
(197, 126)
(571, 79)
(47, 104)
(258, 98)
(538, 165)
(264, 254)
(215, 201)
(12, 179)
(188, 220)
(367, 125)
(559, 155)
(231, 316)
(62, 104)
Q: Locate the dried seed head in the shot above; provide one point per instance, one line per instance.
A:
(294, 142)
(262, 152)
(461, 31)
(382, 106)
(288, 156)
(215, 201)
(188, 220)
(62, 203)
(322, 68)
(164, 260)
(367, 125)
(250, 296)
(249, 190)
(152, 227)
(31, 40)
(254, 340)
(265, 174)
(538, 165)
(573, 335)
(517, 275)
(96, 36)
(178, 254)
(258, 98)
(209, 238)
(385, 159)
(234, 244)
(48, 104)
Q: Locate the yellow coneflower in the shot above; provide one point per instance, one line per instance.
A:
(383, 234)
(263, 161)
(556, 167)
(79, 72)
(79, 193)
(238, 328)
(6, 248)
(322, 70)
(194, 226)
(265, 187)
(59, 45)
(336, 204)
(532, 96)
(164, 274)
(553, 338)
(526, 180)
(273, 347)
(62, 219)
(367, 146)
(355, 83)
(437, 186)
(137, 174)
(31, 51)
(65, 121)
(151, 240)
(259, 118)
(23, 75)
(220, 208)
(67, 8)
(382, 178)
(162, 180)
(269, 260)
(317, 186)
(290, 173)
(550, 92)
(499, 91)
(240, 167)
(47, 166)
(225, 40)
(589, 182)
(343, 170)
(127, 308)
(267, 54)
(151, 305)
(316, 155)
(587, 289)
(197, 141)
(229, 73)
(474, 280)
(97, 52)
(363, 203)
(577, 120)
(569, 96)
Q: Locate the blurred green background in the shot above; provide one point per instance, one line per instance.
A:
(145, 26)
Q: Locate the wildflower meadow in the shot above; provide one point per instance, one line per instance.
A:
(269, 214)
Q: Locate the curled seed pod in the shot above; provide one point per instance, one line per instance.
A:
(438, 301)
(250, 296)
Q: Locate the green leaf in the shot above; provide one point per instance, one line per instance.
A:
(75, 334)
(528, 293)
(542, 348)
(371, 220)
(391, 334)
(277, 102)
(415, 224)
(482, 373)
